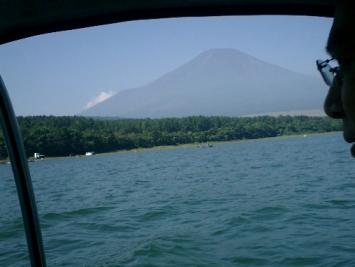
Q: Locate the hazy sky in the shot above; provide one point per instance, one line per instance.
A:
(62, 73)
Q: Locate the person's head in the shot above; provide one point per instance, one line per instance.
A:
(340, 101)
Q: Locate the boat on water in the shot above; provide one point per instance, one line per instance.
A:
(207, 145)
(90, 153)
(37, 156)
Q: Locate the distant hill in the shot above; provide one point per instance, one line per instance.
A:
(217, 82)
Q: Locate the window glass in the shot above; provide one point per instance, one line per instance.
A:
(191, 141)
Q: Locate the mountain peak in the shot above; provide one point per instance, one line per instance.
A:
(231, 59)
(231, 53)
(222, 51)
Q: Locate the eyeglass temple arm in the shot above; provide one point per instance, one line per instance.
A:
(22, 178)
(323, 63)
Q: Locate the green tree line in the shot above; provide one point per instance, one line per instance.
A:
(63, 136)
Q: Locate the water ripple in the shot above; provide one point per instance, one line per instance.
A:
(276, 202)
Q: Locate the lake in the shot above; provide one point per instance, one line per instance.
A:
(287, 201)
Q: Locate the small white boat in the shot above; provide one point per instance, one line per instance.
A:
(38, 156)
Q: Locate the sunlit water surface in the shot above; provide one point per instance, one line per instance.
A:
(272, 202)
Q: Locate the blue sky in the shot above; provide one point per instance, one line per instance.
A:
(60, 73)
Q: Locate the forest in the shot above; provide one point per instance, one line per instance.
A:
(75, 135)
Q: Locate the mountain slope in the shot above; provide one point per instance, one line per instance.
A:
(217, 82)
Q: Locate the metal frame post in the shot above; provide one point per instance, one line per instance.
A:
(16, 151)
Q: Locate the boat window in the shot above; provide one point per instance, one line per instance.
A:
(190, 141)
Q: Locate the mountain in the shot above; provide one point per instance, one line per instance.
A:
(217, 82)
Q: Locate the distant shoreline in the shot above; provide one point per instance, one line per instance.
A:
(72, 136)
(188, 145)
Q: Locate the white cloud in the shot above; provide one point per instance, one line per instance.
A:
(102, 96)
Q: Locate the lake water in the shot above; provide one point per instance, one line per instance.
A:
(272, 202)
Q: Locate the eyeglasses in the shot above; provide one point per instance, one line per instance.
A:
(327, 71)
